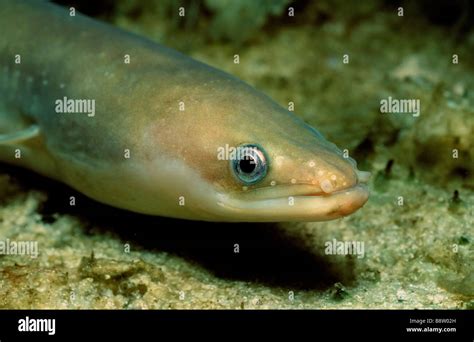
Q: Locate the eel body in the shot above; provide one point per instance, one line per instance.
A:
(138, 126)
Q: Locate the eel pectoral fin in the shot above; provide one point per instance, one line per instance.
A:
(28, 133)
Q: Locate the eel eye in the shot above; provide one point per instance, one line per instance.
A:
(250, 165)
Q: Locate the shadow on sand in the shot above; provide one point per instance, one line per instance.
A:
(266, 254)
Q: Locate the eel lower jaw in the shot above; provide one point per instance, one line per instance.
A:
(315, 206)
(322, 206)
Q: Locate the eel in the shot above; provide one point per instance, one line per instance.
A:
(139, 126)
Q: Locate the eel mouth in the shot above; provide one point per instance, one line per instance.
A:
(327, 206)
(298, 203)
(337, 204)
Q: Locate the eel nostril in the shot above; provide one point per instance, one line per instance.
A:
(326, 186)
